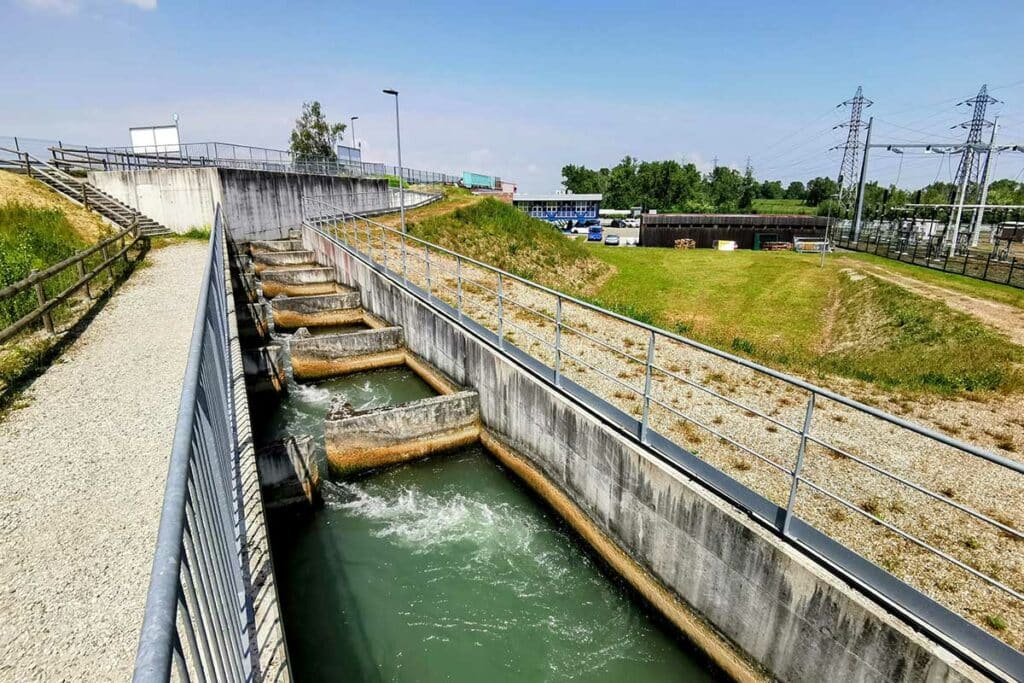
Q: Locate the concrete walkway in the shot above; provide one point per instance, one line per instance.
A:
(82, 472)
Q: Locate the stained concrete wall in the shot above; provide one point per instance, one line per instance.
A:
(770, 601)
(255, 203)
(358, 441)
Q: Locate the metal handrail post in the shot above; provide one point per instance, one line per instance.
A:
(645, 420)
(369, 240)
(795, 483)
(501, 312)
(426, 261)
(405, 262)
(458, 286)
(558, 342)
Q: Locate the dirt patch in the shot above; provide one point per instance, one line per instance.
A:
(1007, 319)
(19, 189)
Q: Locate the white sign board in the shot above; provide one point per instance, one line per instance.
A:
(154, 139)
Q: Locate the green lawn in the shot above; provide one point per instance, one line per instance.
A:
(784, 206)
(780, 308)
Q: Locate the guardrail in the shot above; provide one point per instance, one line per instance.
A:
(37, 280)
(227, 155)
(874, 510)
(198, 613)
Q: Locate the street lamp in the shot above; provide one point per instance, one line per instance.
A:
(353, 120)
(398, 136)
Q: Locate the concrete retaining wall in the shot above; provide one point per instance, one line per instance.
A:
(386, 436)
(255, 203)
(761, 596)
(289, 472)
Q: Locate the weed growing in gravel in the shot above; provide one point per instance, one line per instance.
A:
(996, 621)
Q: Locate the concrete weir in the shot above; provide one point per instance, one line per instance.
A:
(298, 281)
(263, 246)
(317, 310)
(267, 260)
(341, 354)
(757, 605)
(358, 441)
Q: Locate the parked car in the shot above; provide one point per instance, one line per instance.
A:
(595, 233)
(611, 241)
(630, 242)
(631, 222)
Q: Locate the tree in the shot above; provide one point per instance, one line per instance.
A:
(313, 136)
(820, 189)
(750, 189)
(772, 189)
(795, 190)
(583, 180)
(621, 190)
(725, 187)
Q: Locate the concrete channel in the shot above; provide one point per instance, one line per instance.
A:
(735, 601)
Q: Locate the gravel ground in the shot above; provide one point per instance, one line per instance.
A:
(83, 474)
(768, 420)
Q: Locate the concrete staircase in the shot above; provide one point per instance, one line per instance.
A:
(81, 192)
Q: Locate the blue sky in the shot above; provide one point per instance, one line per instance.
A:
(519, 89)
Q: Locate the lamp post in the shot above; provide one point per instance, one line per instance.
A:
(353, 120)
(398, 136)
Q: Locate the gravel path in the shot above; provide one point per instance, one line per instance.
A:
(83, 474)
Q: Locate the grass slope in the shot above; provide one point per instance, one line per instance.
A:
(783, 310)
(31, 239)
(19, 189)
(496, 233)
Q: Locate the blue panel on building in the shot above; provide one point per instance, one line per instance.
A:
(560, 208)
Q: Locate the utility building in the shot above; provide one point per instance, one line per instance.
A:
(559, 208)
(747, 231)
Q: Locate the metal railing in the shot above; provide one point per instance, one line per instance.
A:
(850, 505)
(227, 155)
(16, 298)
(198, 613)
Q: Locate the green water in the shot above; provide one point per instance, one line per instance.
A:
(303, 408)
(448, 570)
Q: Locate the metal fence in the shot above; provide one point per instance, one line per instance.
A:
(198, 618)
(887, 241)
(227, 155)
(855, 504)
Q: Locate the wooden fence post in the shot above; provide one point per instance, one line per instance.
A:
(41, 297)
(81, 275)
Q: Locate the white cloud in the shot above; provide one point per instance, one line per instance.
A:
(141, 4)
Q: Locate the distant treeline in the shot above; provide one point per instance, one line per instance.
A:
(669, 186)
